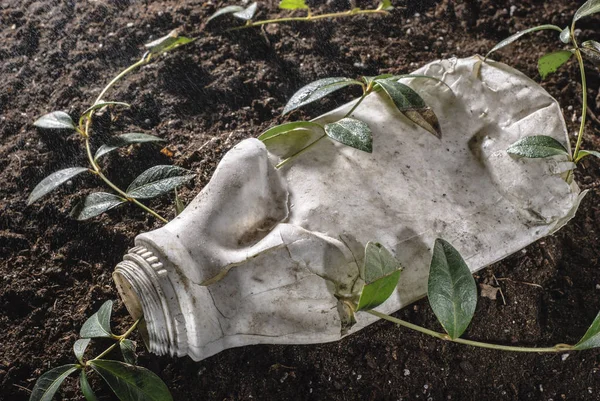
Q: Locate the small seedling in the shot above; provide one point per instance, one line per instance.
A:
(247, 14)
(127, 380)
(153, 182)
(289, 140)
(541, 146)
(452, 294)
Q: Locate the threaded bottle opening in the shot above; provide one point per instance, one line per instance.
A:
(141, 280)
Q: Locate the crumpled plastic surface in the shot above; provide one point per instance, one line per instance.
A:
(262, 255)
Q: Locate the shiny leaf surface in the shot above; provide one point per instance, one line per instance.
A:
(53, 181)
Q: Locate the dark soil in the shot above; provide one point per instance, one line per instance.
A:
(204, 98)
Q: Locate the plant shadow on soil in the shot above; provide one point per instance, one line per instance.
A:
(55, 272)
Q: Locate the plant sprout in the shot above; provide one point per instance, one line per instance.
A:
(247, 14)
(541, 146)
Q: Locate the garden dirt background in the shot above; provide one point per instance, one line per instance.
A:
(206, 97)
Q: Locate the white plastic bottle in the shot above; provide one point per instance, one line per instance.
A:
(262, 255)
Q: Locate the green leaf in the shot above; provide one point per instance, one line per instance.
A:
(584, 153)
(588, 8)
(131, 383)
(179, 206)
(537, 146)
(95, 204)
(55, 120)
(101, 104)
(167, 43)
(292, 4)
(386, 5)
(381, 273)
(79, 348)
(128, 351)
(158, 180)
(369, 80)
(53, 181)
(591, 338)
(225, 10)
(591, 50)
(551, 62)
(86, 389)
(248, 13)
(519, 34)
(351, 132)
(317, 90)
(288, 139)
(451, 289)
(411, 105)
(48, 383)
(98, 325)
(565, 35)
(124, 140)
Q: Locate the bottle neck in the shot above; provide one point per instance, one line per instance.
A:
(143, 284)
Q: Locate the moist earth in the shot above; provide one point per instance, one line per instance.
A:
(204, 98)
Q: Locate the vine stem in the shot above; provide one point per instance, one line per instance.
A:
(120, 338)
(446, 337)
(86, 134)
(311, 17)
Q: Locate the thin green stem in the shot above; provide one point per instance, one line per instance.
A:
(292, 157)
(585, 104)
(348, 114)
(145, 59)
(120, 338)
(310, 17)
(446, 337)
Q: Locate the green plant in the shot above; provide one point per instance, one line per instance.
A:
(247, 13)
(452, 294)
(156, 181)
(290, 140)
(127, 380)
(541, 146)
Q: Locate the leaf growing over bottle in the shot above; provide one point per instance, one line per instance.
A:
(451, 289)
(317, 90)
(351, 132)
(86, 389)
(588, 8)
(48, 383)
(287, 139)
(98, 325)
(591, 338)
(551, 62)
(411, 105)
(167, 43)
(124, 140)
(53, 181)
(381, 272)
(518, 35)
(95, 204)
(292, 4)
(79, 348)
(537, 146)
(158, 180)
(179, 206)
(131, 383)
(55, 120)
